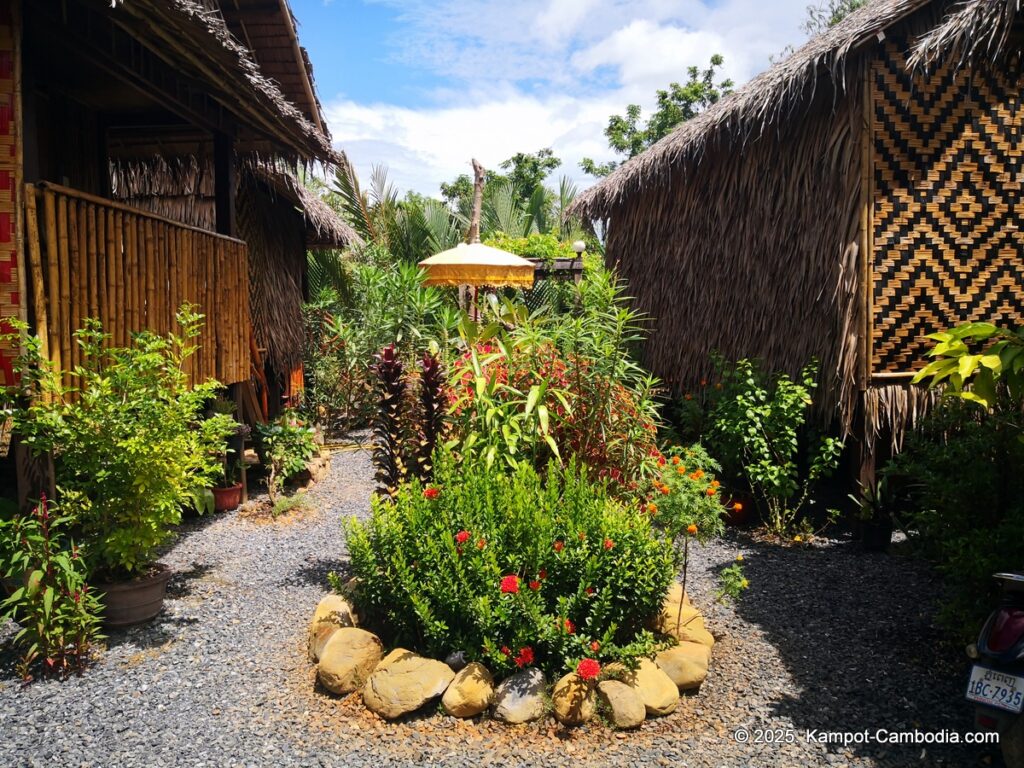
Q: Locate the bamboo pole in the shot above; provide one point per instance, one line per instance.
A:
(112, 313)
(64, 273)
(102, 286)
(36, 268)
(120, 304)
(149, 254)
(53, 278)
(76, 279)
(138, 272)
(92, 277)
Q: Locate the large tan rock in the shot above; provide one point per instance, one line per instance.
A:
(332, 613)
(623, 705)
(520, 698)
(686, 664)
(573, 700)
(684, 623)
(403, 682)
(656, 689)
(470, 693)
(348, 658)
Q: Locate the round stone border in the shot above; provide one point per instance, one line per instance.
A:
(351, 659)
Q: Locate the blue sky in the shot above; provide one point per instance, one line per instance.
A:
(422, 86)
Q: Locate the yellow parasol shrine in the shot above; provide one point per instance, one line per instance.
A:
(477, 264)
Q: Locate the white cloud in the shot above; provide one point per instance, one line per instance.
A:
(545, 73)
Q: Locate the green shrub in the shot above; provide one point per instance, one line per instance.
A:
(581, 573)
(685, 492)
(57, 610)
(287, 445)
(128, 440)
(960, 493)
(755, 425)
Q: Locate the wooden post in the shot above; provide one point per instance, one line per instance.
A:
(479, 177)
(36, 265)
(224, 183)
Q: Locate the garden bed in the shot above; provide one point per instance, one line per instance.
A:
(822, 641)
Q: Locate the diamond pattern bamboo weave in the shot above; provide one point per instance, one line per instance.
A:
(947, 204)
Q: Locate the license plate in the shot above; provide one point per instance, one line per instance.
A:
(996, 689)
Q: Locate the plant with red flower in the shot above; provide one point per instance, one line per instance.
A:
(534, 585)
(481, 543)
(588, 669)
(559, 545)
(510, 585)
(608, 544)
(431, 493)
(462, 537)
(595, 646)
(525, 657)
(570, 628)
(542, 574)
(590, 591)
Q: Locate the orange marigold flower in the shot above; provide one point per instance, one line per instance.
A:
(688, 396)
(691, 529)
(681, 470)
(737, 506)
(666, 490)
(712, 491)
(652, 508)
(675, 460)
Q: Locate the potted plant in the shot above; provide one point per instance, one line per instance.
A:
(130, 450)
(227, 494)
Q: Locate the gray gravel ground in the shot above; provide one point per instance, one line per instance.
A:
(825, 638)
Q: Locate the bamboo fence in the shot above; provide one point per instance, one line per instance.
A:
(91, 257)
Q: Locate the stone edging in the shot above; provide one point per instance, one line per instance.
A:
(351, 659)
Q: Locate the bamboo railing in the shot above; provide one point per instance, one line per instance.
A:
(131, 269)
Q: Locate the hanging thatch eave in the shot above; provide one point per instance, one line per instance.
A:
(190, 35)
(784, 91)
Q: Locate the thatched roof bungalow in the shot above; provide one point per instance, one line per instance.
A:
(857, 195)
(155, 147)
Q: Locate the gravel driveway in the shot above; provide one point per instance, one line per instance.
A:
(825, 638)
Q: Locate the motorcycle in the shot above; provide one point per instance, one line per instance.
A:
(996, 686)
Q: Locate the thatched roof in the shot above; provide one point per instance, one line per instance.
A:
(970, 28)
(181, 188)
(189, 33)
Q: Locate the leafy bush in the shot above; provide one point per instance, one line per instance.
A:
(388, 305)
(755, 424)
(534, 246)
(685, 493)
(960, 494)
(57, 610)
(287, 445)
(129, 447)
(513, 568)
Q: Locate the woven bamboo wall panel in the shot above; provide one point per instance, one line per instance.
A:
(11, 300)
(947, 204)
(131, 269)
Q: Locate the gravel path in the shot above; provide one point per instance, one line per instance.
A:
(825, 638)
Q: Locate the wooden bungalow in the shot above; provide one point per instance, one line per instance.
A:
(152, 152)
(856, 196)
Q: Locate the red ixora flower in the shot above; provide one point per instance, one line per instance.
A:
(588, 669)
(570, 628)
(506, 651)
(595, 646)
(608, 543)
(534, 585)
(591, 590)
(542, 574)
(481, 543)
(462, 537)
(431, 493)
(559, 545)
(525, 657)
(510, 584)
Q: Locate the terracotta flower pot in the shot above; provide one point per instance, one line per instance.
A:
(226, 499)
(127, 603)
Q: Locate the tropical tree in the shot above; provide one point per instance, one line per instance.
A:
(627, 135)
